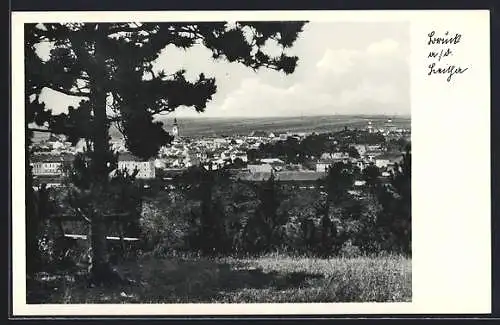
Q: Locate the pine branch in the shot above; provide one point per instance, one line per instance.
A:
(122, 29)
(68, 92)
(82, 215)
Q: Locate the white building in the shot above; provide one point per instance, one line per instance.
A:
(160, 163)
(262, 168)
(239, 155)
(272, 161)
(374, 147)
(283, 136)
(47, 168)
(359, 183)
(360, 164)
(322, 166)
(387, 160)
(361, 148)
(129, 162)
(50, 165)
(175, 129)
(382, 163)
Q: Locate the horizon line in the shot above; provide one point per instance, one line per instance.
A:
(287, 116)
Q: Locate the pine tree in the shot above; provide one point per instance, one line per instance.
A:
(267, 221)
(338, 181)
(402, 184)
(109, 65)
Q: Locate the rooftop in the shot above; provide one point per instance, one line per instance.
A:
(127, 156)
(284, 176)
(391, 156)
(52, 158)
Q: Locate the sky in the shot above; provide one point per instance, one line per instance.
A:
(343, 68)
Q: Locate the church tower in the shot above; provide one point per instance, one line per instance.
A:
(175, 129)
(370, 127)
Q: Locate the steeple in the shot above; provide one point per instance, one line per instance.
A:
(175, 129)
(370, 127)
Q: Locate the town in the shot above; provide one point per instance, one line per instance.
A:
(158, 171)
(250, 157)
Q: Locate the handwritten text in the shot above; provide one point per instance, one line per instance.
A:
(443, 49)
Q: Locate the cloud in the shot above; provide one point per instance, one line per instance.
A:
(359, 81)
(377, 55)
(385, 47)
(338, 61)
(343, 68)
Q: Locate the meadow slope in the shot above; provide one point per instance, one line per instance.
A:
(267, 279)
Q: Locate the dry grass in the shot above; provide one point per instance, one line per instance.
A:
(268, 279)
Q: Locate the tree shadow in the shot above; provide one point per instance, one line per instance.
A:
(232, 278)
(173, 281)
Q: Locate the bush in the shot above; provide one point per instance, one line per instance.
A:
(348, 250)
(164, 224)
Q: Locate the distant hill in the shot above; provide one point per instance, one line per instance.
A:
(200, 127)
(197, 127)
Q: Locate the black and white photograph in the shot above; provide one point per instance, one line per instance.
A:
(217, 162)
(253, 163)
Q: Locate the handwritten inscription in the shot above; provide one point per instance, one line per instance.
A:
(443, 49)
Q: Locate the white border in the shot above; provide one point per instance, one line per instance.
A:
(451, 169)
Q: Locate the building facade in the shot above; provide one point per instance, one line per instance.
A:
(262, 168)
(322, 166)
(42, 168)
(128, 162)
(50, 165)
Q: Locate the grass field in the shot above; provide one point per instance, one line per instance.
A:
(268, 279)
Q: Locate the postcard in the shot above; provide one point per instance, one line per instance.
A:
(250, 163)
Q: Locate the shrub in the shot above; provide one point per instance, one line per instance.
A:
(164, 224)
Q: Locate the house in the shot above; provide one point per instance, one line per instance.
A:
(261, 168)
(259, 134)
(299, 176)
(323, 165)
(387, 160)
(293, 177)
(374, 147)
(340, 156)
(360, 164)
(129, 162)
(372, 155)
(382, 162)
(50, 165)
(326, 156)
(239, 155)
(48, 180)
(359, 183)
(335, 157)
(160, 163)
(272, 161)
(361, 148)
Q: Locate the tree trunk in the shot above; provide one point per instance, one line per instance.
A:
(100, 268)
